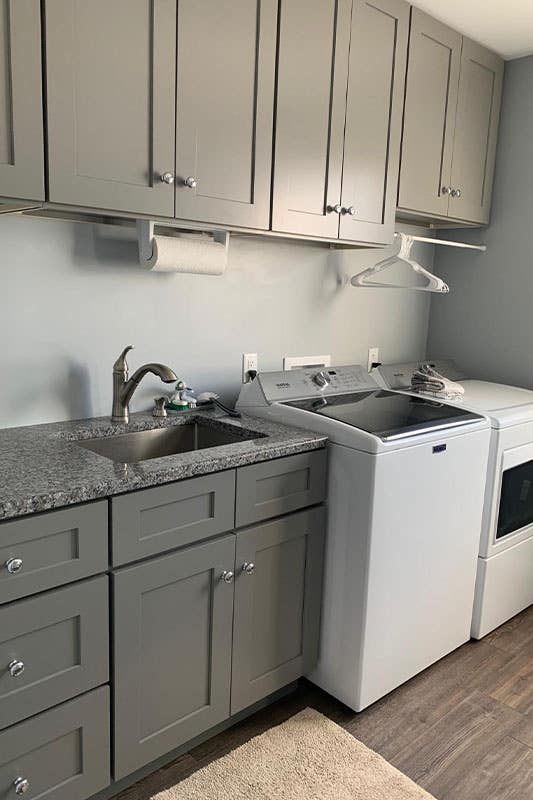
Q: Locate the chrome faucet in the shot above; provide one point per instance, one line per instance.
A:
(123, 388)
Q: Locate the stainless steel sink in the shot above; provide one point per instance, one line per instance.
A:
(129, 448)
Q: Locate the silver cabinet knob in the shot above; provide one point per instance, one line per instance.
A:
(456, 193)
(446, 190)
(167, 177)
(21, 785)
(191, 182)
(248, 568)
(334, 209)
(350, 210)
(14, 565)
(16, 668)
(227, 576)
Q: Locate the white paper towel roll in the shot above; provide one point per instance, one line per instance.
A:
(176, 254)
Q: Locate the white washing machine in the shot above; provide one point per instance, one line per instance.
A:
(405, 498)
(504, 585)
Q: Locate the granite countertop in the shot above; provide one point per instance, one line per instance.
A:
(43, 467)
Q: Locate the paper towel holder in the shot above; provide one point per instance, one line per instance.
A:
(145, 236)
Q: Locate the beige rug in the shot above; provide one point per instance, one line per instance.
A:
(308, 757)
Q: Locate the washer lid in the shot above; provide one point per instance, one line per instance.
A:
(388, 415)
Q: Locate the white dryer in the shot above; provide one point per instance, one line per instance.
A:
(405, 498)
(504, 585)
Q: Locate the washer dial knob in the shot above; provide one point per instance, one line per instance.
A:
(321, 379)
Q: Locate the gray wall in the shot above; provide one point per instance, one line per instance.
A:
(72, 295)
(486, 323)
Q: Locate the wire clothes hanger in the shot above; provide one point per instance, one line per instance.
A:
(403, 255)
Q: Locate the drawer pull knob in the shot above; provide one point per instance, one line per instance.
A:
(168, 178)
(14, 565)
(16, 668)
(21, 785)
(190, 182)
(248, 568)
(227, 576)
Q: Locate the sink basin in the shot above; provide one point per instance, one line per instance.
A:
(129, 448)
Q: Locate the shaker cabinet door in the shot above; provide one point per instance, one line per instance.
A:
(278, 585)
(21, 110)
(476, 133)
(378, 53)
(111, 68)
(225, 107)
(429, 115)
(172, 659)
(314, 38)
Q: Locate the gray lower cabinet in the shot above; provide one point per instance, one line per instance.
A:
(153, 521)
(225, 105)
(52, 647)
(111, 70)
(278, 569)
(21, 117)
(43, 551)
(62, 754)
(172, 650)
(451, 114)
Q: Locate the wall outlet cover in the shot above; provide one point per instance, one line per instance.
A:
(249, 363)
(373, 357)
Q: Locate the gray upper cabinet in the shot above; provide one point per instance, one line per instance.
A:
(278, 569)
(314, 38)
(378, 54)
(172, 665)
(429, 115)
(452, 107)
(476, 132)
(225, 106)
(341, 73)
(111, 70)
(21, 110)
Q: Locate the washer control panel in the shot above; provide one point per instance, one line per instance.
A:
(299, 383)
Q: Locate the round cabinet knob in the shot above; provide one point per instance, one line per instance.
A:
(335, 209)
(191, 182)
(227, 576)
(21, 785)
(248, 567)
(14, 565)
(446, 190)
(350, 211)
(456, 193)
(321, 379)
(16, 668)
(167, 177)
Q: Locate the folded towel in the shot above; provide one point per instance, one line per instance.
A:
(426, 379)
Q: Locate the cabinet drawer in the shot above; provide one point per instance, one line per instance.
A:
(152, 521)
(52, 647)
(278, 487)
(63, 754)
(46, 550)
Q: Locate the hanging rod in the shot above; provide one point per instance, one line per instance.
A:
(447, 242)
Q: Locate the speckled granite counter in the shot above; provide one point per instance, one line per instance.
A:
(43, 467)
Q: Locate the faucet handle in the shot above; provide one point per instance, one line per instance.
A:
(121, 365)
(159, 409)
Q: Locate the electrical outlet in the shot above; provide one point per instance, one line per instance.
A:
(373, 357)
(249, 362)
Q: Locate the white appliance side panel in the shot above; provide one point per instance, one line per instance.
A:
(424, 545)
(504, 587)
(509, 447)
(350, 492)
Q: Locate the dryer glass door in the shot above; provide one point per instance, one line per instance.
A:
(516, 499)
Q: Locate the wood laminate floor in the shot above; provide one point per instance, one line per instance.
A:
(463, 729)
